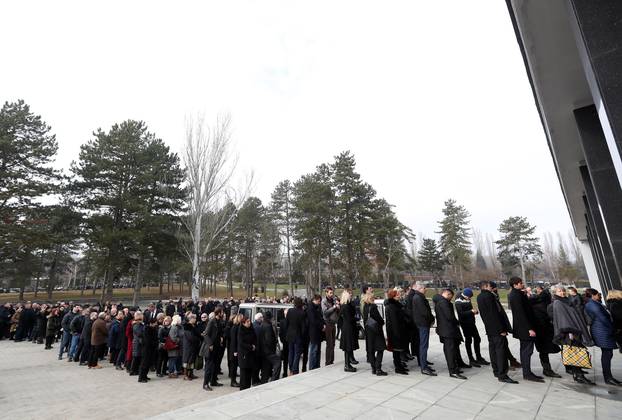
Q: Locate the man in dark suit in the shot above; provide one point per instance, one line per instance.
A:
(447, 328)
(523, 326)
(413, 330)
(423, 319)
(268, 343)
(497, 328)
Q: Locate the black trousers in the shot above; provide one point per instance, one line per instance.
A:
(246, 375)
(526, 350)
(209, 371)
(86, 351)
(49, 340)
(473, 338)
(233, 368)
(94, 354)
(285, 357)
(270, 368)
(450, 349)
(375, 359)
(147, 360)
(136, 363)
(161, 362)
(305, 355)
(397, 359)
(497, 345)
(114, 355)
(414, 341)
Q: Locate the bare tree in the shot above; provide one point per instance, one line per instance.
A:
(210, 167)
(550, 256)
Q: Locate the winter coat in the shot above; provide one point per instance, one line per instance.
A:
(602, 327)
(210, 338)
(86, 331)
(330, 312)
(349, 331)
(615, 309)
(523, 318)
(296, 320)
(175, 333)
(191, 342)
(149, 342)
(138, 330)
(247, 342)
(99, 332)
(66, 321)
(233, 341)
(493, 315)
(567, 319)
(114, 335)
(466, 317)
(129, 339)
(53, 326)
(447, 325)
(316, 323)
(543, 324)
(77, 324)
(267, 338)
(163, 332)
(397, 325)
(422, 313)
(374, 337)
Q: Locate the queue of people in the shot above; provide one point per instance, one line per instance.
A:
(177, 338)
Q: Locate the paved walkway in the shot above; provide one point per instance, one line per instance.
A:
(34, 384)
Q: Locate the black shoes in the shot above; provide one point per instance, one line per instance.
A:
(533, 378)
(581, 379)
(475, 364)
(349, 369)
(142, 380)
(428, 371)
(380, 372)
(507, 380)
(354, 362)
(551, 374)
(613, 381)
(482, 361)
(207, 387)
(235, 384)
(457, 376)
(216, 384)
(401, 371)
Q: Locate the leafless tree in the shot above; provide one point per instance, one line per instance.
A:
(210, 167)
(550, 256)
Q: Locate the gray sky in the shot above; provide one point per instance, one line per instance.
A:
(431, 97)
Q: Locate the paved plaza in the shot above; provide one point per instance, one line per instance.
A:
(35, 384)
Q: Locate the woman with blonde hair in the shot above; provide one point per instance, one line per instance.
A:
(191, 340)
(174, 346)
(375, 343)
(138, 328)
(614, 304)
(232, 349)
(349, 332)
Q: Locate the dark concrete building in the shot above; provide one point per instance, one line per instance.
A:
(572, 51)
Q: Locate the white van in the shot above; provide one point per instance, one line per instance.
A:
(251, 309)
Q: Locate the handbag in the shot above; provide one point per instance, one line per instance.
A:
(169, 344)
(576, 356)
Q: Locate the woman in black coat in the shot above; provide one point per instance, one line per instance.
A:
(232, 349)
(544, 330)
(614, 304)
(191, 340)
(247, 343)
(349, 332)
(375, 343)
(397, 329)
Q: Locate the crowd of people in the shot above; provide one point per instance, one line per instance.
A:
(176, 338)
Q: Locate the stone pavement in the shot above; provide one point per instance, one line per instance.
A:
(34, 384)
(330, 393)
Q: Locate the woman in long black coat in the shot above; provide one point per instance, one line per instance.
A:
(614, 304)
(349, 333)
(247, 343)
(191, 340)
(375, 343)
(544, 330)
(232, 349)
(397, 329)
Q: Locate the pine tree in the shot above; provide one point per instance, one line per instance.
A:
(282, 212)
(454, 242)
(517, 246)
(430, 258)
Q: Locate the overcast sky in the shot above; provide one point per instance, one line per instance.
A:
(432, 97)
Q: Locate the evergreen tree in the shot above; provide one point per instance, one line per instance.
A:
(454, 242)
(430, 258)
(282, 212)
(517, 246)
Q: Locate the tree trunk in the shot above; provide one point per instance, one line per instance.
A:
(196, 253)
(139, 279)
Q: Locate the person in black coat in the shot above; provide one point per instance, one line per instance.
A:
(614, 305)
(544, 329)
(349, 332)
(191, 341)
(149, 347)
(127, 318)
(412, 327)
(268, 343)
(423, 319)
(375, 343)
(209, 350)
(316, 331)
(284, 344)
(397, 324)
(247, 344)
(448, 329)
(466, 317)
(296, 320)
(523, 328)
(497, 327)
(232, 349)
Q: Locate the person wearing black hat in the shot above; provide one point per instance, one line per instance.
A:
(497, 328)
(466, 317)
